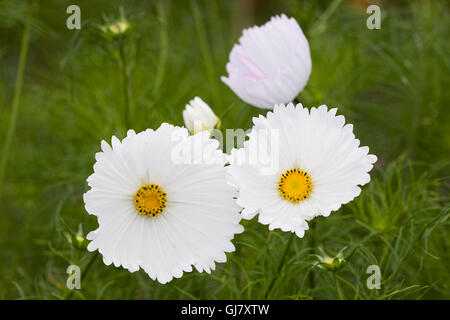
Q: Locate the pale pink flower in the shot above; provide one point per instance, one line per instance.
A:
(271, 64)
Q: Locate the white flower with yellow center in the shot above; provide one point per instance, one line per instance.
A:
(316, 165)
(271, 64)
(158, 214)
(198, 116)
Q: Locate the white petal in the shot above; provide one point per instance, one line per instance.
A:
(201, 217)
(271, 64)
(316, 141)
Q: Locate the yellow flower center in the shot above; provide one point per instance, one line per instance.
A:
(295, 185)
(150, 200)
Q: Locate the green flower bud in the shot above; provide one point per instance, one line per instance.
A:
(116, 28)
(328, 263)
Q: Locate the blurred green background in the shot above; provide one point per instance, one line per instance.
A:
(392, 84)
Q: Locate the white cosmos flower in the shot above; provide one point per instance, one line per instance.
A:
(271, 64)
(158, 214)
(319, 167)
(198, 116)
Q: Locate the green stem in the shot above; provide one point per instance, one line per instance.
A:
(312, 283)
(16, 101)
(280, 265)
(164, 48)
(338, 288)
(83, 275)
(206, 52)
(321, 23)
(126, 84)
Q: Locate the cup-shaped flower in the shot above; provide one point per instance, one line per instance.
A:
(298, 164)
(198, 116)
(271, 64)
(162, 203)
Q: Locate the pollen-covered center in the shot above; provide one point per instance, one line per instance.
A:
(295, 185)
(150, 200)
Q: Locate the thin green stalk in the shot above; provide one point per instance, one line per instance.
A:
(280, 265)
(126, 84)
(16, 101)
(163, 53)
(321, 23)
(206, 52)
(338, 288)
(312, 283)
(85, 272)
